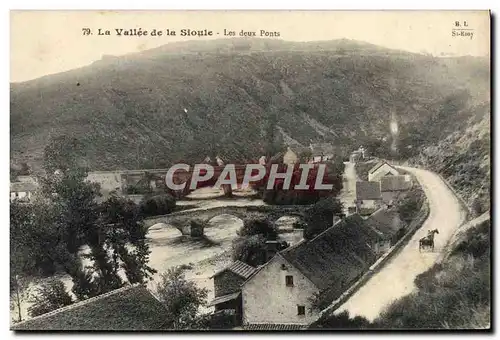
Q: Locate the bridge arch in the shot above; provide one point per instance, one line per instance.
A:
(193, 222)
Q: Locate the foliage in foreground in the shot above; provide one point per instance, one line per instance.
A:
(49, 296)
(182, 299)
(46, 235)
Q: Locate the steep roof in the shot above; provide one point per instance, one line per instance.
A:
(394, 183)
(126, 309)
(366, 190)
(378, 165)
(386, 221)
(338, 255)
(224, 298)
(239, 268)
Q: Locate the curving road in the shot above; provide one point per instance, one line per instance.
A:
(396, 278)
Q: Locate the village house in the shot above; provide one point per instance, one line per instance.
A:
(392, 186)
(227, 287)
(109, 181)
(315, 153)
(281, 292)
(297, 154)
(390, 226)
(290, 157)
(368, 197)
(380, 170)
(23, 188)
(321, 152)
(131, 308)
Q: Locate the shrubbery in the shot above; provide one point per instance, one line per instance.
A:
(157, 205)
(256, 226)
(320, 216)
(251, 250)
(250, 247)
(341, 321)
(410, 204)
(49, 296)
(182, 299)
(279, 196)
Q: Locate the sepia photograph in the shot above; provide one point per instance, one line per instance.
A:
(250, 171)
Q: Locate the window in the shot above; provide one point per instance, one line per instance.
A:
(289, 280)
(301, 310)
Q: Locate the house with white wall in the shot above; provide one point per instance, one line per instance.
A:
(227, 288)
(321, 152)
(290, 157)
(282, 291)
(390, 226)
(380, 170)
(368, 197)
(23, 189)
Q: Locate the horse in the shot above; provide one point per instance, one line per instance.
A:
(427, 241)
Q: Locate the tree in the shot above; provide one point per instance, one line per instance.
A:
(259, 226)
(181, 298)
(48, 234)
(157, 205)
(251, 250)
(320, 216)
(280, 196)
(18, 293)
(78, 222)
(49, 296)
(410, 205)
(34, 242)
(125, 235)
(250, 246)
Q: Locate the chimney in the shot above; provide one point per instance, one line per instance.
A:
(271, 249)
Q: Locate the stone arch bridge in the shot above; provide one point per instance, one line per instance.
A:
(191, 222)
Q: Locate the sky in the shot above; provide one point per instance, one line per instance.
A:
(48, 42)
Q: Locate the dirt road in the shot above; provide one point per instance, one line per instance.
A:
(396, 278)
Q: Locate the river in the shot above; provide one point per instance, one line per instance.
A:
(169, 248)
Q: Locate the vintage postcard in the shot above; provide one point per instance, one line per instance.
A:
(250, 170)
